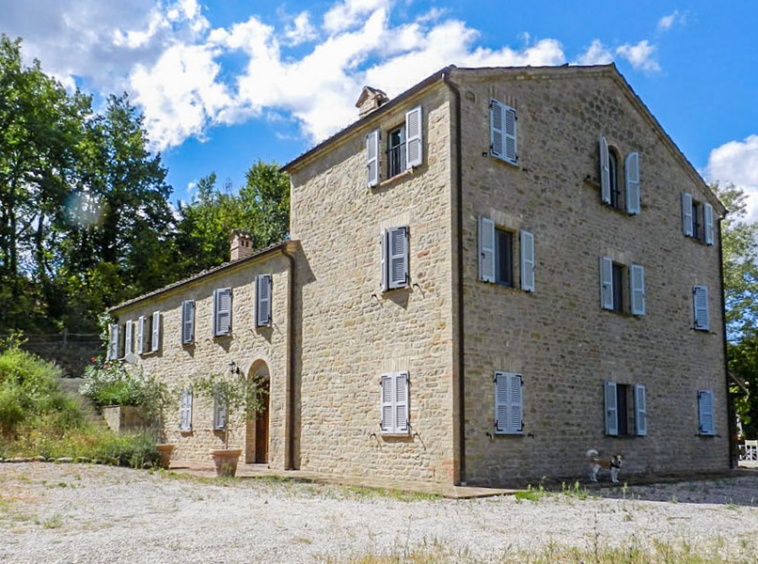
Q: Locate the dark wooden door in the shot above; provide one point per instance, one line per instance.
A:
(261, 431)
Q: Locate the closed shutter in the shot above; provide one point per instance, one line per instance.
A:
(637, 286)
(486, 249)
(219, 412)
(501, 402)
(515, 404)
(605, 172)
(263, 300)
(632, 167)
(188, 322)
(398, 257)
(141, 335)
(185, 414)
(156, 331)
(113, 344)
(497, 137)
(640, 410)
(388, 407)
(707, 424)
(708, 233)
(606, 283)
(414, 150)
(700, 306)
(372, 156)
(402, 416)
(527, 261)
(611, 410)
(687, 214)
(222, 312)
(511, 150)
(384, 247)
(128, 338)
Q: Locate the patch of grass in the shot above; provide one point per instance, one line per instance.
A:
(577, 490)
(54, 522)
(533, 494)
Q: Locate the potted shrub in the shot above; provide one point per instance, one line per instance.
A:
(242, 399)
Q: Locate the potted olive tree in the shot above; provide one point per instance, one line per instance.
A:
(240, 398)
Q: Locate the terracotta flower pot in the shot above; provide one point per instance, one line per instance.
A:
(165, 450)
(225, 461)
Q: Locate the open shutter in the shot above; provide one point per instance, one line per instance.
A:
(687, 214)
(398, 257)
(640, 410)
(486, 249)
(501, 402)
(219, 412)
(188, 322)
(637, 286)
(402, 415)
(611, 410)
(632, 167)
(605, 172)
(222, 312)
(705, 412)
(113, 344)
(515, 404)
(129, 334)
(509, 134)
(388, 408)
(156, 331)
(414, 150)
(700, 305)
(141, 335)
(372, 156)
(185, 415)
(384, 247)
(263, 300)
(527, 261)
(606, 283)
(708, 214)
(497, 138)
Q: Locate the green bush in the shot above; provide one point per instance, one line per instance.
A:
(110, 383)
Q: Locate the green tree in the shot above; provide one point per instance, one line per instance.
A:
(265, 204)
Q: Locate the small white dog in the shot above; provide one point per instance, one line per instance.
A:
(614, 465)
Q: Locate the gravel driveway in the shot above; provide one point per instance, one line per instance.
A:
(93, 514)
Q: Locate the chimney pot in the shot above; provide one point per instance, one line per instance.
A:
(370, 99)
(241, 245)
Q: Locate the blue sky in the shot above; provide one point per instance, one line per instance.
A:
(225, 82)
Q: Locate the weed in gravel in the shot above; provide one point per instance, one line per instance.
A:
(533, 494)
(54, 522)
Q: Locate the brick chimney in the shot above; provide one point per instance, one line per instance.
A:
(241, 245)
(369, 100)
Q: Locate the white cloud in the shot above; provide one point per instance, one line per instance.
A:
(640, 56)
(596, 54)
(736, 162)
(300, 30)
(666, 22)
(347, 13)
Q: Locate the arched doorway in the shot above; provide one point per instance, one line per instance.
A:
(256, 447)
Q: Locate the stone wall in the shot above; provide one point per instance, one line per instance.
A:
(558, 337)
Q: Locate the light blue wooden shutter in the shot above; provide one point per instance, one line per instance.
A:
(185, 411)
(129, 332)
(188, 322)
(605, 172)
(501, 402)
(219, 412)
(606, 283)
(222, 312)
(113, 344)
(700, 306)
(527, 261)
(156, 331)
(398, 257)
(384, 247)
(509, 135)
(632, 168)
(414, 148)
(707, 424)
(372, 157)
(141, 335)
(263, 300)
(486, 249)
(402, 415)
(515, 404)
(497, 136)
(611, 410)
(388, 405)
(640, 410)
(687, 214)
(637, 289)
(708, 220)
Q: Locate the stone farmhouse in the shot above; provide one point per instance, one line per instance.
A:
(487, 276)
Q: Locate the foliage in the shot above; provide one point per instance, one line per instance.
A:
(242, 396)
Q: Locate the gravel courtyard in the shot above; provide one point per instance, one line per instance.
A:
(92, 514)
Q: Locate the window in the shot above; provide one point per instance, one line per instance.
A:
(697, 219)
(613, 179)
(395, 405)
(509, 411)
(394, 258)
(263, 300)
(700, 308)
(612, 287)
(618, 287)
(706, 421)
(496, 256)
(503, 257)
(697, 228)
(625, 409)
(188, 322)
(185, 410)
(503, 132)
(396, 151)
(222, 312)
